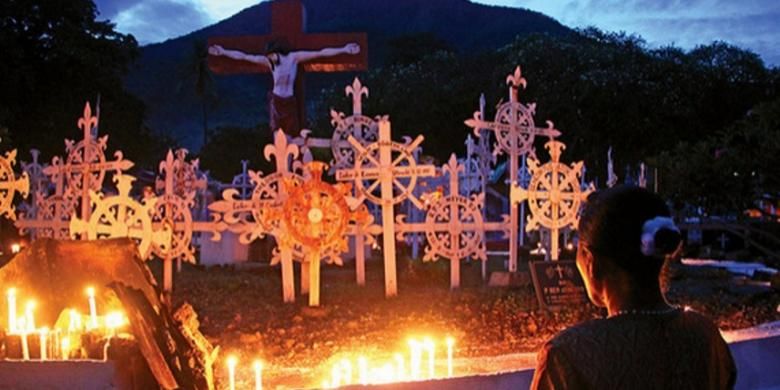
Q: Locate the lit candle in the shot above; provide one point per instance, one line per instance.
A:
(400, 370)
(43, 333)
(258, 365)
(346, 367)
(11, 310)
(232, 361)
(450, 343)
(431, 359)
(362, 370)
(74, 323)
(25, 347)
(415, 359)
(65, 346)
(93, 321)
(29, 319)
(335, 375)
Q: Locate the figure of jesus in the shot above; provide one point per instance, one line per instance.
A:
(283, 63)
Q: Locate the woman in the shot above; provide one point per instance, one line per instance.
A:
(626, 234)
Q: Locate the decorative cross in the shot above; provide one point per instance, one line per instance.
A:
(515, 133)
(453, 225)
(10, 185)
(185, 176)
(386, 173)
(315, 216)
(554, 194)
(34, 169)
(172, 213)
(287, 24)
(86, 164)
(52, 213)
(247, 217)
(121, 216)
(241, 182)
(357, 125)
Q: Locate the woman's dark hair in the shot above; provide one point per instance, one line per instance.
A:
(611, 226)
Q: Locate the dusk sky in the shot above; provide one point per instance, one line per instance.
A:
(751, 24)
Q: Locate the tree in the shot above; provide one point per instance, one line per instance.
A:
(56, 56)
(727, 172)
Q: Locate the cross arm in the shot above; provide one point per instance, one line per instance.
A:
(256, 44)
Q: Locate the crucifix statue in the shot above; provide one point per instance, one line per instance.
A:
(287, 48)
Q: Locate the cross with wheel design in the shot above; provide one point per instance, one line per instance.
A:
(316, 217)
(86, 165)
(454, 227)
(121, 216)
(386, 173)
(357, 125)
(515, 133)
(554, 194)
(10, 185)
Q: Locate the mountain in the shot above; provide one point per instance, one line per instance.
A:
(163, 77)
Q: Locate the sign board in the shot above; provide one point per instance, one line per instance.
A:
(557, 283)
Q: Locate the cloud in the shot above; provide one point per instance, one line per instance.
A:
(155, 20)
(750, 24)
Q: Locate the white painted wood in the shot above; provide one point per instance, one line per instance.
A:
(515, 133)
(453, 226)
(10, 185)
(554, 194)
(121, 216)
(386, 173)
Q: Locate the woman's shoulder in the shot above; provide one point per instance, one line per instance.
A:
(598, 330)
(583, 331)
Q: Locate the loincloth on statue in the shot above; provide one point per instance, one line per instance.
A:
(283, 113)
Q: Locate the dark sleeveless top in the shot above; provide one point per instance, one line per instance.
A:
(676, 350)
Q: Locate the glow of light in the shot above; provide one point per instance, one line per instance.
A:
(429, 345)
(43, 333)
(363, 370)
(29, 318)
(93, 321)
(258, 366)
(232, 361)
(415, 359)
(400, 369)
(346, 368)
(16, 248)
(25, 346)
(65, 347)
(450, 343)
(74, 321)
(335, 376)
(11, 310)
(114, 320)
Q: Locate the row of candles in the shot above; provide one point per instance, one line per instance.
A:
(52, 343)
(395, 371)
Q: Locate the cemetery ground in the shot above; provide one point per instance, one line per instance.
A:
(496, 329)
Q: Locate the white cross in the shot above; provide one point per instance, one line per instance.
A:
(376, 165)
(86, 165)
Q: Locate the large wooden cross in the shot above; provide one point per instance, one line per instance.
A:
(386, 173)
(515, 132)
(287, 25)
